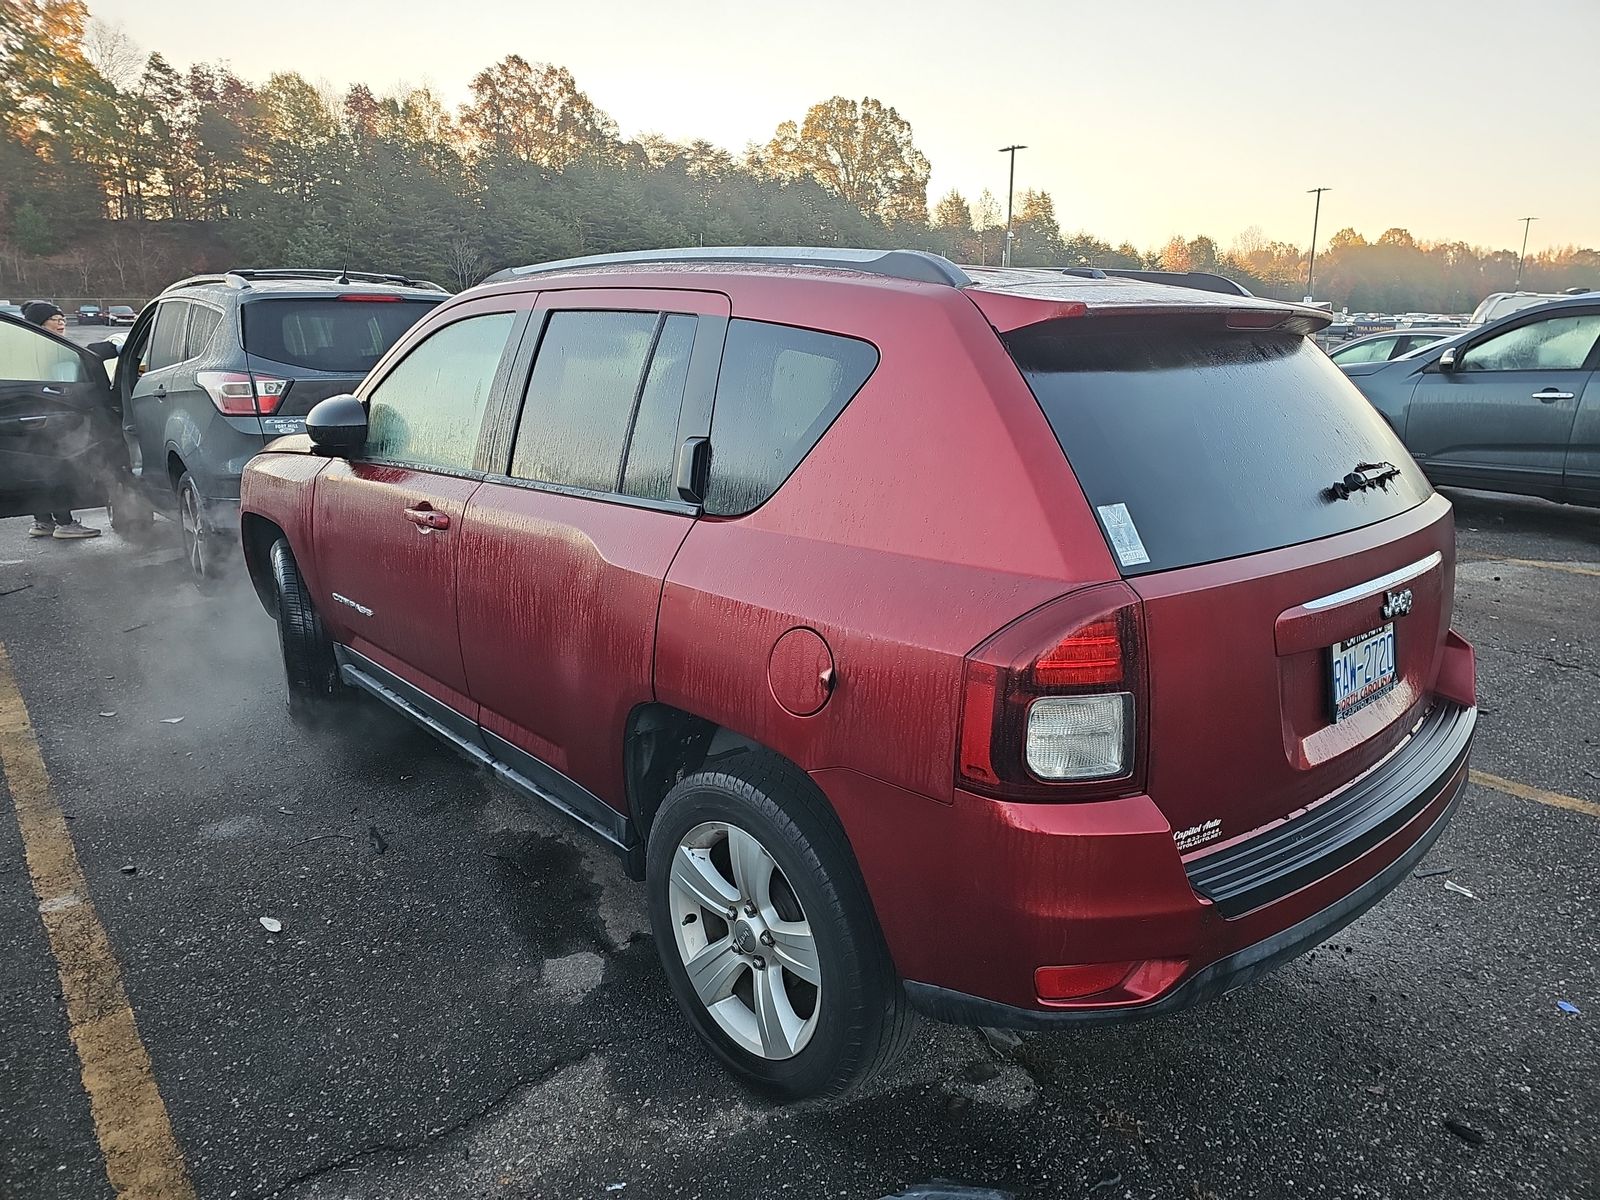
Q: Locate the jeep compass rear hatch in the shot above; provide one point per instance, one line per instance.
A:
(1294, 565)
(304, 349)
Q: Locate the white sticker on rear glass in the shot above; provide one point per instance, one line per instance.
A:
(1124, 534)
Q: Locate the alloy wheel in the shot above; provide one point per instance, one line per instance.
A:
(744, 940)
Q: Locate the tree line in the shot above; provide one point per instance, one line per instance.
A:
(120, 171)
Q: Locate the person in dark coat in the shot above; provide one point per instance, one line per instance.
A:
(61, 525)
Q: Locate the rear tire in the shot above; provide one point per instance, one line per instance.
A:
(755, 831)
(207, 552)
(311, 675)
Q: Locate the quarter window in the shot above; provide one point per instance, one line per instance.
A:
(1553, 344)
(779, 390)
(203, 323)
(654, 442)
(429, 409)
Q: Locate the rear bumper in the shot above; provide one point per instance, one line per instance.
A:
(1222, 976)
(975, 895)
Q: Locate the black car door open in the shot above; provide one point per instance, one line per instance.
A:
(59, 435)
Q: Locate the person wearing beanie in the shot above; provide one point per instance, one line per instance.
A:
(62, 526)
(45, 315)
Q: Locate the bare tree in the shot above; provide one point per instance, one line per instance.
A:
(463, 261)
(113, 53)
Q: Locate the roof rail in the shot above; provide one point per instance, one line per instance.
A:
(246, 274)
(916, 265)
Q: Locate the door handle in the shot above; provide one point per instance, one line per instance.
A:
(1550, 396)
(424, 518)
(160, 392)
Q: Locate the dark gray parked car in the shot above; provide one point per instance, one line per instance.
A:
(1381, 347)
(1513, 406)
(219, 365)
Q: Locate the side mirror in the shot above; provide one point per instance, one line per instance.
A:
(337, 426)
(1447, 360)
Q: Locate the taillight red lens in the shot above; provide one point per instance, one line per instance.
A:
(1053, 704)
(243, 394)
(1086, 657)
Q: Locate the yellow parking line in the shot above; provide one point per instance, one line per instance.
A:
(1569, 568)
(1522, 791)
(142, 1158)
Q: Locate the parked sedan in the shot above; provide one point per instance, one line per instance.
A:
(1381, 347)
(120, 314)
(1513, 406)
(91, 314)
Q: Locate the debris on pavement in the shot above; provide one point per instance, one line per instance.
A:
(1451, 885)
(1001, 1041)
(171, 720)
(1377, 1089)
(376, 840)
(112, 713)
(1567, 1006)
(130, 869)
(1106, 1184)
(938, 1189)
(272, 924)
(1469, 1135)
(980, 1070)
(1435, 872)
(615, 1187)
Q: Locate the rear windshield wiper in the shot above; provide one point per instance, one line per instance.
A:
(1366, 475)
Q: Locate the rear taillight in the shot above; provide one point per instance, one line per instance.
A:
(239, 394)
(1051, 704)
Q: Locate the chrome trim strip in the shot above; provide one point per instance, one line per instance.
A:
(1373, 586)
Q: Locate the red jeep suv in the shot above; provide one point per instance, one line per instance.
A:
(1023, 647)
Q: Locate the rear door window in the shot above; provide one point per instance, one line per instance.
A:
(779, 389)
(428, 411)
(1194, 445)
(653, 444)
(580, 397)
(342, 336)
(167, 338)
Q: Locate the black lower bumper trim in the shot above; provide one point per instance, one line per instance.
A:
(1224, 975)
(1261, 869)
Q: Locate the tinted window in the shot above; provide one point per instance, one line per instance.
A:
(1194, 446)
(1554, 344)
(203, 323)
(580, 398)
(28, 354)
(344, 336)
(655, 427)
(166, 339)
(778, 391)
(429, 409)
(1377, 350)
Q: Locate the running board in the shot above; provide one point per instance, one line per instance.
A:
(554, 789)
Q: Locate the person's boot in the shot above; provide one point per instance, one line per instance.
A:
(73, 531)
(42, 529)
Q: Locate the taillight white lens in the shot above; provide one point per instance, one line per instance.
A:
(1080, 737)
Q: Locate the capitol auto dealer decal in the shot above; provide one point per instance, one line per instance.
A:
(1198, 835)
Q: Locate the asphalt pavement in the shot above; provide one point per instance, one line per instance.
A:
(463, 999)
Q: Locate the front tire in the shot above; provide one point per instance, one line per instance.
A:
(766, 933)
(311, 675)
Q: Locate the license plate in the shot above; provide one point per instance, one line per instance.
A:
(1363, 670)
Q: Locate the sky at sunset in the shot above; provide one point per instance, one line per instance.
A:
(1143, 118)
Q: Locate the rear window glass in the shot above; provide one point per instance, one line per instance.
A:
(778, 391)
(1194, 446)
(347, 336)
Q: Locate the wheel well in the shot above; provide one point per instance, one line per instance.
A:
(175, 468)
(257, 534)
(662, 745)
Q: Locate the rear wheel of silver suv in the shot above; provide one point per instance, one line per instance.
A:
(766, 933)
(207, 551)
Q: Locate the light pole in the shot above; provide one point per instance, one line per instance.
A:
(1316, 216)
(1526, 221)
(1011, 183)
